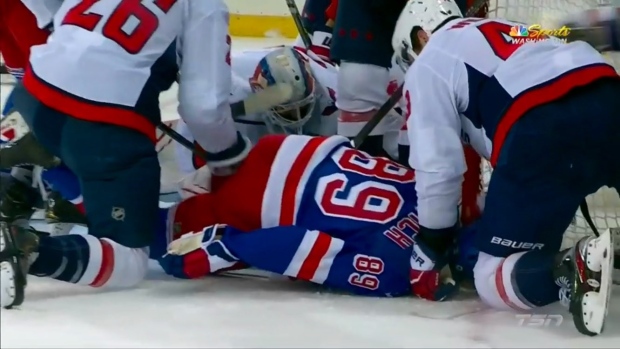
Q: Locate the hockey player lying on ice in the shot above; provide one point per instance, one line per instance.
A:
(307, 207)
(311, 208)
(546, 116)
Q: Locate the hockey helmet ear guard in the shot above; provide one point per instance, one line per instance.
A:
(286, 65)
(426, 14)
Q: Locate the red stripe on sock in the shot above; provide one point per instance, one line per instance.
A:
(501, 289)
(107, 264)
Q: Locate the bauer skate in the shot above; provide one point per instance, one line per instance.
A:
(16, 245)
(584, 273)
(62, 215)
(26, 151)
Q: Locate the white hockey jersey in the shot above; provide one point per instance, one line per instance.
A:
(323, 121)
(107, 61)
(470, 84)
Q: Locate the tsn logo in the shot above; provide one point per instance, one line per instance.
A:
(516, 244)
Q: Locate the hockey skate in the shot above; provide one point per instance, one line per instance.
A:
(17, 203)
(26, 151)
(584, 273)
(62, 215)
(16, 245)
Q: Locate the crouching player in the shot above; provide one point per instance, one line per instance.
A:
(99, 116)
(465, 85)
(314, 209)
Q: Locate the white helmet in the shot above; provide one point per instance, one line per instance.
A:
(286, 65)
(426, 14)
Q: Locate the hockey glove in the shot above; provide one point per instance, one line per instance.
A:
(195, 255)
(427, 276)
(321, 45)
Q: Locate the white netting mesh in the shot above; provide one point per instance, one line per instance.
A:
(605, 204)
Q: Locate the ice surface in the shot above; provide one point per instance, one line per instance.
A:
(233, 312)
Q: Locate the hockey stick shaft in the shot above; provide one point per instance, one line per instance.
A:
(292, 7)
(379, 115)
(182, 140)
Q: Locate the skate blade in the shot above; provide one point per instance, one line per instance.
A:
(599, 301)
(13, 280)
(12, 294)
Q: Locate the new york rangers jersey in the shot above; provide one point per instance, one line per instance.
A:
(470, 84)
(315, 209)
(353, 218)
(108, 61)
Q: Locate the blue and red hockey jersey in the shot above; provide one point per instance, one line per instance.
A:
(331, 215)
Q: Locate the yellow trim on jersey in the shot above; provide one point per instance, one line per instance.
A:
(262, 26)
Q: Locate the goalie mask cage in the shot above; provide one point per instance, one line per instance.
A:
(605, 204)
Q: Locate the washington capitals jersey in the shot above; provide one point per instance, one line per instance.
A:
(471, 84)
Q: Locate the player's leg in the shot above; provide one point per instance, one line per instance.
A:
(368, 264)
(531, 202)
(361, 44)
(119, 175)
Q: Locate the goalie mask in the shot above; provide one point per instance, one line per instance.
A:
(427, 15)
(285, 65)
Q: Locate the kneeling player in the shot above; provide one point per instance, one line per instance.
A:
(551, 133)
(314, 209)
(87, 109)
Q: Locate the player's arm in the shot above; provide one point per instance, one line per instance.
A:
(433, 129)
(205, 83)
(437, 156)
(600, 27)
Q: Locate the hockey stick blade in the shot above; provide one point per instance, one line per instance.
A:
(292, 7)
(263, 100)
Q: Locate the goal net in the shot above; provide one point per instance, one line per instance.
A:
(605, 204)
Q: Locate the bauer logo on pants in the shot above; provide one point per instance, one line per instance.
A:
(118, 213)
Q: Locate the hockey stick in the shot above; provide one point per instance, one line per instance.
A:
(397, 95)
(292, 7)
